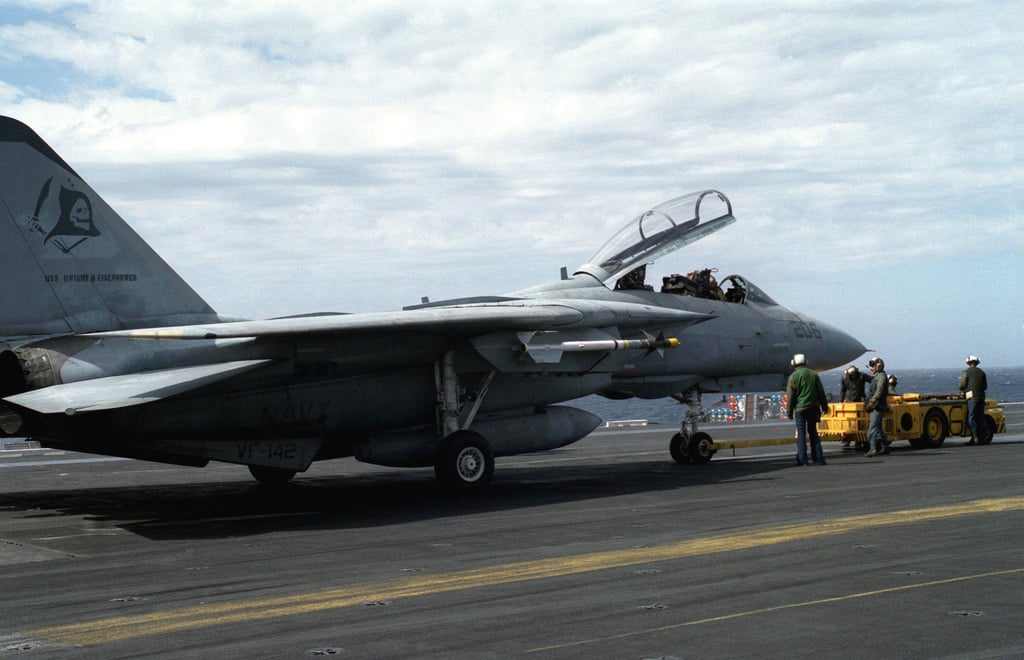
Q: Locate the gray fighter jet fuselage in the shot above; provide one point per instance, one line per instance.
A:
(104, 349)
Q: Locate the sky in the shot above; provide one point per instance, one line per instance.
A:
(290, 157)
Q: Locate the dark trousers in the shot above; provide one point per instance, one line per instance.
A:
(807, 425)
(976, 418)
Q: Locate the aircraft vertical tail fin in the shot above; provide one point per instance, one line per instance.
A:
(69, 263)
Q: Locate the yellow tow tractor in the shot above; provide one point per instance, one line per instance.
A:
(926, 420)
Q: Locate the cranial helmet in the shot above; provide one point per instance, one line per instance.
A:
(876, 362)
(852, 369)
(798, 360)
(972, 358)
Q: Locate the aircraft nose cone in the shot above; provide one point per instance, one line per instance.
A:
(839, 347)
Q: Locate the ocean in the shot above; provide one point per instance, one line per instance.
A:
(1006, 384)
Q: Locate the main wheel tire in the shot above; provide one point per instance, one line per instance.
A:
(465, 461)
(677, 446)
(271, 476)
(934, 429)
(700, 447)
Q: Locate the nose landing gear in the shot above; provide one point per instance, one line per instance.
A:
(691, 445)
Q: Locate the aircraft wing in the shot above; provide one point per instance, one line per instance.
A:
(467, 320)
(128, 389)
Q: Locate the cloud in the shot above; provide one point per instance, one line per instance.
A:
(392, 151)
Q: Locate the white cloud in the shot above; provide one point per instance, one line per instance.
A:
(452, 148)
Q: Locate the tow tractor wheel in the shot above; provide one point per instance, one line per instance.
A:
(271, 476)
(934, 429)
(679, 449)
(465, 461)
(700, 447)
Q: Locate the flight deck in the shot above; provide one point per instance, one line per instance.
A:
(605, 548)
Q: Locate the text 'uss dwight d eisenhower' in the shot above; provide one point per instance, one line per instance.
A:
(92, 277)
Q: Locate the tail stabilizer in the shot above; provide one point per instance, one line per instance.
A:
(69, 263)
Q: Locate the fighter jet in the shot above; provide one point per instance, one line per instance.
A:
(105, 349)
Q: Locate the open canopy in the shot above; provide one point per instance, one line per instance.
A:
(659, 231)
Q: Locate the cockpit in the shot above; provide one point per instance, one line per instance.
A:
(662, 230)
(621, 263)
(699, 284)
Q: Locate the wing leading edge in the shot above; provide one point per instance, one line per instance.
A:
(467, 320)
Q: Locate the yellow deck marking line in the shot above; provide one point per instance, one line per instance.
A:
(768, 610)
(215, 614)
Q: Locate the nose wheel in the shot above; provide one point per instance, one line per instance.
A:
(698, 448)
(691, 445)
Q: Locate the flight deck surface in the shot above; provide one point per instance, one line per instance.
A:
(605, 548)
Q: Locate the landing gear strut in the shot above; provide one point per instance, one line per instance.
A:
(464, 458)
(691, 445)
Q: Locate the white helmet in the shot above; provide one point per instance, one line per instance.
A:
(798, 360)
(972, 358)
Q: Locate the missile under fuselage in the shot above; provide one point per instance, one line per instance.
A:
(616, 344)
(550, 352)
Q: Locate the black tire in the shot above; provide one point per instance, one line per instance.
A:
(990, 430)
(700, 447)
(934, 429)
(677, 446)
(271, 476)
(465, 462)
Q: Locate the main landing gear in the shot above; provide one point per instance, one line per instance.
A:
(691, 445)
(464, 461)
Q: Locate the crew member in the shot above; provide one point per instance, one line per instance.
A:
(973, 384)
(877, 406)
(806, 401)
(851, 387)
(634, 280)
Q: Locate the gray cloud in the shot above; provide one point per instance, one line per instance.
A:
(360, 157)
